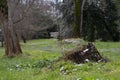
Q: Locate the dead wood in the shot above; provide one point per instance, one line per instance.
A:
(84, 54)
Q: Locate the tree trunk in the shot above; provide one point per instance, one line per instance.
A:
(81, 17)
(78, 20)
(12, 46)
(76, 27)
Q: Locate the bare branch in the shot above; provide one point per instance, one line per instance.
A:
(15, 7)
(24, 13)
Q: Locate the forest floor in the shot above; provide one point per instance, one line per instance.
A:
(37, 62)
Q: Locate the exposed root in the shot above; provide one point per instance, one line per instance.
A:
(84, 54)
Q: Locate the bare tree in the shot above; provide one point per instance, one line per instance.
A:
(8, 21)
(12, 46)
(15, 12)
(35, 21)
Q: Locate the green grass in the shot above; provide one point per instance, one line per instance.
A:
(37, 63)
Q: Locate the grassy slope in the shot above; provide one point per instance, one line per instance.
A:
(36, 51)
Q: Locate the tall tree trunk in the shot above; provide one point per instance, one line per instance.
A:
(12, 46)
(76, 27)
(78, 20)
(81, 17)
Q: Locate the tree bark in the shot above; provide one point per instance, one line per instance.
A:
(12, 46)
(76, 29)
(81, 16)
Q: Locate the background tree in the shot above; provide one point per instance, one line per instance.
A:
(66, 8)
(8, 11)
(38, 21)
(71, 11)
(77, 17)
(99, 19)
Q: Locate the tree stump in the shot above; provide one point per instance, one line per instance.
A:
(86, 53)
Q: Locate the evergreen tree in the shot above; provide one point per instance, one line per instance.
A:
(100, 22)
(99, 16)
